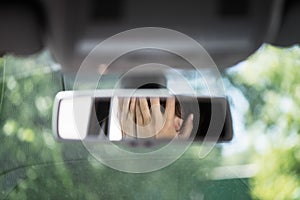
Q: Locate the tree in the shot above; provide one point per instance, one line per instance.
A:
(270, 81)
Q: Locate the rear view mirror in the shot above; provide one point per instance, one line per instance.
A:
(110, 115)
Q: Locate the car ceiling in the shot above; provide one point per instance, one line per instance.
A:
(230, 30)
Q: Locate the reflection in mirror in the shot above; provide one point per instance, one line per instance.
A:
(148, 118)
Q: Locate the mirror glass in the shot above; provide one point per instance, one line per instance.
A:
(86, 116)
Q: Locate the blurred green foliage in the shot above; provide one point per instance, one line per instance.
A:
(270, 81)
(33, 165)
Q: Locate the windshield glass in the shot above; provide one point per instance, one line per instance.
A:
(263, 156)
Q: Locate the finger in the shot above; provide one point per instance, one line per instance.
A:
(138, 114)
(125, 107)
(154, 101)
(155, 105)
(170, 108)
(132, 108)
(120, 103)
(120, 114)
(145, 110)
(187, 127)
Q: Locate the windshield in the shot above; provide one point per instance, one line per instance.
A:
(262, 158)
